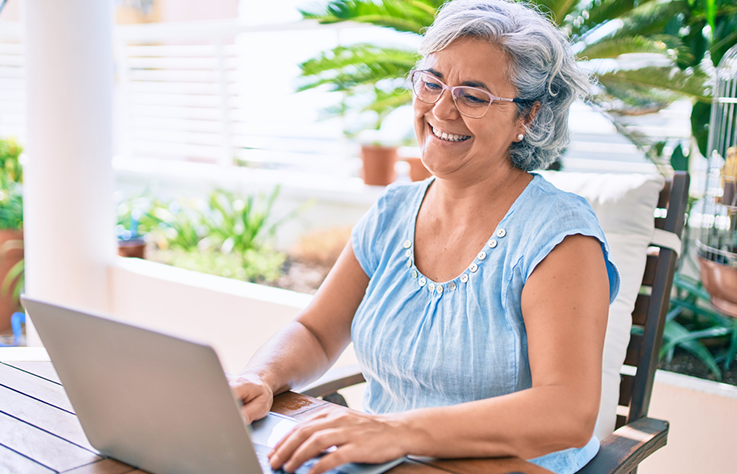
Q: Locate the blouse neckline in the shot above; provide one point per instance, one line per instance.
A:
(438, 288)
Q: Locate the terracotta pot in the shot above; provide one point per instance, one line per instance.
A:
(132, 248)
(378, 164)
(7, 305)
(721, 283)
(417, 170)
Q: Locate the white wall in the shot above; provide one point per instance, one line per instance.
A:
(235, 317)
(703, 426)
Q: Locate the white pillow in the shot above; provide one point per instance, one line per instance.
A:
(624, 204)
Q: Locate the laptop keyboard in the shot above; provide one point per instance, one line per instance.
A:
(266, 467)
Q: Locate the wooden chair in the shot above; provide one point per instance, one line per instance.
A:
(636, 436)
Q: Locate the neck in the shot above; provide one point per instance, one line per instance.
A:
(482, 194)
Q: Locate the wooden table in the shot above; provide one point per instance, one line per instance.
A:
(39, 432)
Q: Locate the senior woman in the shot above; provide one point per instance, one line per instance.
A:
(476, 300)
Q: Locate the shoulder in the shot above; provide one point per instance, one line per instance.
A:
(399, 200)
(550, 208)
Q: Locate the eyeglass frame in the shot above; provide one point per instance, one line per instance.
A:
(452, 89)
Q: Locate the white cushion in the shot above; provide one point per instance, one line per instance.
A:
(624, 204)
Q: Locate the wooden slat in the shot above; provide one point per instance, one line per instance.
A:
(43, 369)
(12, 462)
(34, 386)
(46, 417)
(106, 466)
(639, 314)
(45, 448)
(649, 276)
(621, 421)
(633, 350)
(625, 389)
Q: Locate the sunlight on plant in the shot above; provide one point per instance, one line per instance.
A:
(225, 234)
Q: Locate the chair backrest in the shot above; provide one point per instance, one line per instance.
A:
(651, 307)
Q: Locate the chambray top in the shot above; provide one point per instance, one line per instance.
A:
(422, 343)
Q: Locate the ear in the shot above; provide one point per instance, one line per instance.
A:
(524, 122)
(531, 114)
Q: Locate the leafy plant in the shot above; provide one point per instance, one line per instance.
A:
(10, 167)
(226, 234)
(11, 207)
(691, 320)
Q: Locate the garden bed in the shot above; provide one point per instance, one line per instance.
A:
(685, 363)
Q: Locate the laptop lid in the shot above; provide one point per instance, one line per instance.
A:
(151, 400)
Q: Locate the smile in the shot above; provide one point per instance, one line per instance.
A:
(448, 136)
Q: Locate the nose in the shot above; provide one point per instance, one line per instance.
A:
(445, 108)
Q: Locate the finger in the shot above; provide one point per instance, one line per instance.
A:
(299, 429)
(312, 446)
(340, 456)
(316, 445)
(255, 409)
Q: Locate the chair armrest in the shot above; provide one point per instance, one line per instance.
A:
(624, 449)
(334, 380)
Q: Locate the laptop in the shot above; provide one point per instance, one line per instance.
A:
(158, 402)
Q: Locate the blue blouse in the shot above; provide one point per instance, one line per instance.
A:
(422, 343)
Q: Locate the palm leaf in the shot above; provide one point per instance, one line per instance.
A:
(613, 47)
(649, 18)
(608, 10)
(690, 83)
(345, 67)
(405, 16)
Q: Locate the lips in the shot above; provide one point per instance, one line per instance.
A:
(449, 137)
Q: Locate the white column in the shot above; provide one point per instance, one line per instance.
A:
(70, 242)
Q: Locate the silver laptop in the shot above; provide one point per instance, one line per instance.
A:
(157, 402)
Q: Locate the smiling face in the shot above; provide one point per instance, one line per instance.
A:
(453, 143)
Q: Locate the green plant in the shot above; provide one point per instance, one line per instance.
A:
(11, 170)
(691, 321)
(226, 234)
(11, 207)
(11, 193)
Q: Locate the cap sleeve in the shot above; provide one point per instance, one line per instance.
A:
(572, 217)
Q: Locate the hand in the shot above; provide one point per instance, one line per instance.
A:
(256, 395)
(354, 437)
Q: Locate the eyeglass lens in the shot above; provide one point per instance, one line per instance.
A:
(470, 101)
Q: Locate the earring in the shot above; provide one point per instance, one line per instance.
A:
(520, 137)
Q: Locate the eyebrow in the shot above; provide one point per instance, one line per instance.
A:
(478, 84)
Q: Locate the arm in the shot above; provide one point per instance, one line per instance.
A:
(308, 346)
(565, 305)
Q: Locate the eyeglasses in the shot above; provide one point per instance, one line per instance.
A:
(470, 101)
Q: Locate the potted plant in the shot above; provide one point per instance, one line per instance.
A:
(11, 230)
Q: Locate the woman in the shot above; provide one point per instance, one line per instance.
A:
(476, 301)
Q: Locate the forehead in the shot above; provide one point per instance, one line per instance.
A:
(471, 60)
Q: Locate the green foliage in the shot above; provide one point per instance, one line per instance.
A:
(226, 234)
(691, 321)
(11, 177)
(11, 207)
(10, 168)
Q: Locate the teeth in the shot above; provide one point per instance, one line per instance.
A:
(449, 137)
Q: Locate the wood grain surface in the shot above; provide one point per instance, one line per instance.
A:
(39, 433)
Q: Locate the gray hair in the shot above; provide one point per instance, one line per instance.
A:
(542, 68)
